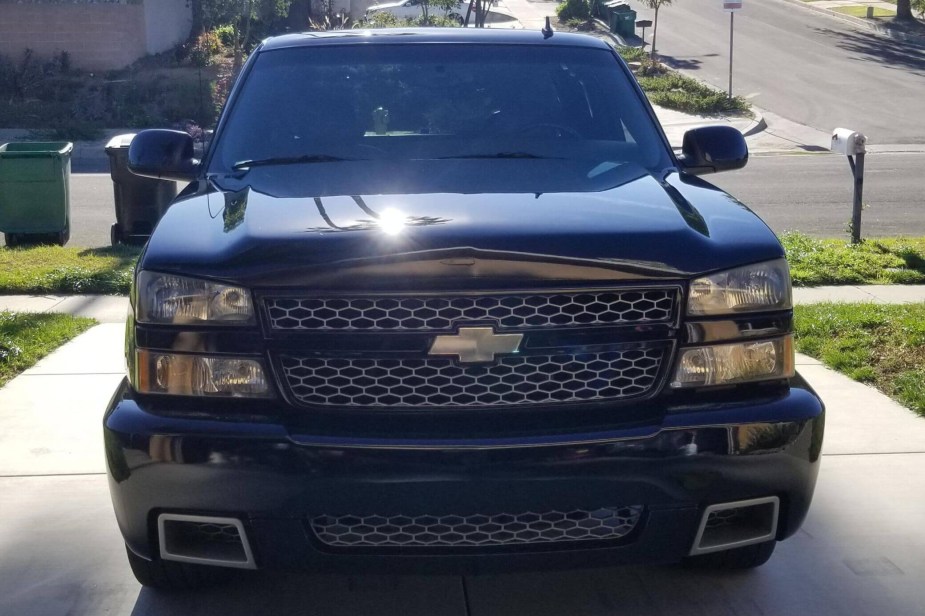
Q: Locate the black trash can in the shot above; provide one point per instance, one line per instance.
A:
(140, 202)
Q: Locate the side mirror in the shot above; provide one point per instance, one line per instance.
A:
(164, 155)
(711, 149)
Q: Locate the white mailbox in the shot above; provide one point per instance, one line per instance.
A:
(848, 142)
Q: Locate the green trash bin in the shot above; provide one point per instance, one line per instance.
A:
(35, 196)
(623, 22)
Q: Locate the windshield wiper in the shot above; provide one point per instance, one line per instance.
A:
(289, 160)
(500, 155)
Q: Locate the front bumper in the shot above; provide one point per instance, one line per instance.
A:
(275, 479)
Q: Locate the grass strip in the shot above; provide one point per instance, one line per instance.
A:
(26, 338)
(67, 271)
(861, 11)
(881, 345)
(815, 262)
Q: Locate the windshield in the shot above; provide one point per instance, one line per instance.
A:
(338, 105)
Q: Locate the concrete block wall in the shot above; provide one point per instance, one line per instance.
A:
(167, 23)
(98, 36)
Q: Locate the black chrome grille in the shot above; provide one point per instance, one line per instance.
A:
(441, 313)
(424, 531)
(438, 382)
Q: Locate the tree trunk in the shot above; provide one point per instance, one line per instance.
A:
(300, 12)
(240, 38)
(654, 33)
(196, 5)
(904, 9)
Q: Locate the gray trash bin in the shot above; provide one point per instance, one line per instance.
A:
(140, 202)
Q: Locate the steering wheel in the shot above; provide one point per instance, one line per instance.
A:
(544, 128)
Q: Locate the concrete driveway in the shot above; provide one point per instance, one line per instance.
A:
(859, 553)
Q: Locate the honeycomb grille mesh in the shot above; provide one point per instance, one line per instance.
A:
(512, 380)
(724, 517)
(442, 313)
(217, 533)
(377, 531)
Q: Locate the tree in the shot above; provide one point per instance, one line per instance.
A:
(655, 5)
(442, 6)
(240, 15)
(904, 9)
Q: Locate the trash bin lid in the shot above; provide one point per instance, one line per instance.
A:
(120, 141)
(32, 149)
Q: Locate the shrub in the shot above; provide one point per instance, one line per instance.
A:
(206, 46)
(919, 7)
(574, 9)
(632, 54)
(225, 34)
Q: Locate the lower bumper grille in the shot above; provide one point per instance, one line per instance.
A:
(438, 382)
(503, 529)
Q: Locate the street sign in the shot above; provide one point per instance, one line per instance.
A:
(644, 23)
(732, 5)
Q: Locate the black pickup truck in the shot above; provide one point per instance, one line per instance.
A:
(446, 300)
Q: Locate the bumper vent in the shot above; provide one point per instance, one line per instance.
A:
(204, 540)
(513, 380)
(453, 531)
(442, 313)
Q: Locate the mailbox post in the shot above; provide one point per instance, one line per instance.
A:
(852, 144)
(644, 23)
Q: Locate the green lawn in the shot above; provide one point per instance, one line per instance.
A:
(53, 269)
(881, 345)
(816, 262)
(26, 338)
(861, 11)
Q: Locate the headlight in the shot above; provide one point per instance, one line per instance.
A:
(753, 288)
(725, 364)
(174, 300)
(200, 375)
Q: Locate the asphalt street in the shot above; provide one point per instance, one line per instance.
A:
(809, 68)
(811, 193)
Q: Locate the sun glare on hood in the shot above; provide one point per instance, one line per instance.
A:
(392, 221)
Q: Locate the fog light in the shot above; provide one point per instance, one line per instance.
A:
(200, 375)
(725, 364)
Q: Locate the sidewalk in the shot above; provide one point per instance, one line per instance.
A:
(860, 546)
(855, 11)
(81, 375)
(113, 308)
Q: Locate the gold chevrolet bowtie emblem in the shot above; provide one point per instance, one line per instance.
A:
(476, 344)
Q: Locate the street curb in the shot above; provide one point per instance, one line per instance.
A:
(759, 124)
(616, 38)
(858, 21)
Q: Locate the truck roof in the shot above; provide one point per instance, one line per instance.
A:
(404, 36)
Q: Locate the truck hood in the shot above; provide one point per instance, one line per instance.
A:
(269, 232)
